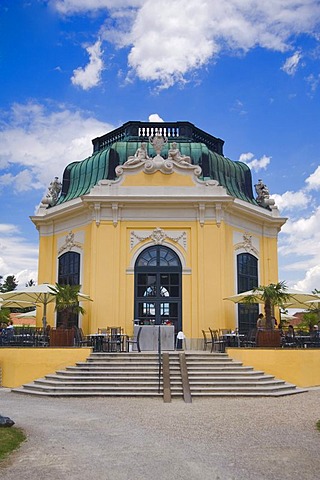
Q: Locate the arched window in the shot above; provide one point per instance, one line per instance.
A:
(158, 275)
(69, 269)
(69, 274)
(247, 276)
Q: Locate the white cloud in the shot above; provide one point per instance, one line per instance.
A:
(8, 229)
(36, 144)
(16, 252)
(291, 64)
(303, 227)
(170, 39)
(90, 76)
(313, 81)
(70, 7)
(154, 117)
(255, 163)
(311, 280)
(299, 245)
(313, 181)
(292, 200)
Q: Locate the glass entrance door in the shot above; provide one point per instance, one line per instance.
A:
(158, 287)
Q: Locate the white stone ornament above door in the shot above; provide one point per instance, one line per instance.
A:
(158, 236)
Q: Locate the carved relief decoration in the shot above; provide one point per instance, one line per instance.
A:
(176, 162)
(158, 236)
(69, 243)
(247, 244)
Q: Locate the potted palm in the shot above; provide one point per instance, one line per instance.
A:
(274, 294)
(67, 303)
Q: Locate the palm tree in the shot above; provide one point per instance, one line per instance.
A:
(271, 295)
(67, 301)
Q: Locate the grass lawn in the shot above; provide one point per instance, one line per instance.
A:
(10, 439)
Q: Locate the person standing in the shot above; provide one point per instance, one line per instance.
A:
(261, 322)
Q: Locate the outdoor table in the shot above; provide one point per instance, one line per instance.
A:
(105, 342)
(232, 339)
(97, 341)
(304, 341)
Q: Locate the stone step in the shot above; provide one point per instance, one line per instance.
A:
(93, 388)
(95, 376)
(87, 394)
(135, 374)
(246, 389)
(235, 383)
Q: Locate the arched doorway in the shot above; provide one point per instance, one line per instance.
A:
(158, 274)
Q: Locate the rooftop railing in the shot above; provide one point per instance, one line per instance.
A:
(141, 131)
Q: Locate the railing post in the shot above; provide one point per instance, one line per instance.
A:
(166, 378)
(159, 358)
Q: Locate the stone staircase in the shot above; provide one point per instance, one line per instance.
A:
(218, 375)
(136, 374)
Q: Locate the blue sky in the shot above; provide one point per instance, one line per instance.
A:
(246, 71)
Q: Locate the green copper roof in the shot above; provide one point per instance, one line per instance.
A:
(115, 147)
(80, 177)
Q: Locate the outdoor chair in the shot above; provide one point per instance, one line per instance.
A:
(250, 338)
(224, 331)
(80, 339)
(104, 331)
(114, 341)
(135, 341)
(218, 343)
(206, 341)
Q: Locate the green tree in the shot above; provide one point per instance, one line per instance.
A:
(4, 315)
(30, 283)
(67, 302)
(271, 295)
(9, 284)
(310, 319)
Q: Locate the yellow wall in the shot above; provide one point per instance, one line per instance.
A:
(300, 367)
(23, 365)
(107, 257)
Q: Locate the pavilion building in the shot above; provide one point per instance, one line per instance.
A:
(159, 226)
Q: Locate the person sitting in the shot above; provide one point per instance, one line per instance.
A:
(3, 333)
(290, 336)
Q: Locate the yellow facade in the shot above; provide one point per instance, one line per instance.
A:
(23, 365)
(106, 224)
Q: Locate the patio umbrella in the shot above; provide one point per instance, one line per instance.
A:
(15, 304)
(37, 294)
(32, 313)
(313, 304)
(295, 299)
(287, 317)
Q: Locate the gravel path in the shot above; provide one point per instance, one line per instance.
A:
(125, 439)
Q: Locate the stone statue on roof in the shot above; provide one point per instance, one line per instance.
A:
(263, 195)
(54, 190)
(139, 157)
(175, 155)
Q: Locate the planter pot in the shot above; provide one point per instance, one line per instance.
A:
(268, 338)
(61, 337)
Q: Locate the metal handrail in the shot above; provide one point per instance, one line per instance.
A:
(159, 359)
